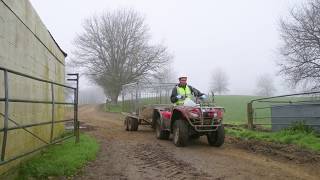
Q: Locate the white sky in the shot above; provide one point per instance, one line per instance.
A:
(239, 36)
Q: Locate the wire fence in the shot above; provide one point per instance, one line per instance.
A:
(136, 95)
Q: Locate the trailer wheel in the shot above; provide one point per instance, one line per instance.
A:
(133, 124)
(126, 123)
(160, 134)
(216, 138)
(180, 133)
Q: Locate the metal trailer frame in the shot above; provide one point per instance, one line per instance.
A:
(7, 100)
(161, 95)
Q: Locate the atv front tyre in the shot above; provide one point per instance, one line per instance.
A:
(180, 133)
(216, 138)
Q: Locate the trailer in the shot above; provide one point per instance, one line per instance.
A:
(139, 100)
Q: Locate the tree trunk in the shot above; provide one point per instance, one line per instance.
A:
(114, 99)
(113, 93)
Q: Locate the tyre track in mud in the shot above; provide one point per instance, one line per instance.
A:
(139, 155)
(157, 158)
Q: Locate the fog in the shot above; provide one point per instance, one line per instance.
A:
(239, 37)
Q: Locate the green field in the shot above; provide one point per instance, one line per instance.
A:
(235, 106)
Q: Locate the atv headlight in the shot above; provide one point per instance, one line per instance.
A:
(194, 113)
(215, 114)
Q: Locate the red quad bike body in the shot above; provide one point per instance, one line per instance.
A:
(186, 123)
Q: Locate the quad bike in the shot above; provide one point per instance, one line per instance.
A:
(190, 122)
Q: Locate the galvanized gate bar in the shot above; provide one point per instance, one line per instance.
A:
(6, 115)
(35, 78)
(39, 102)
(7, 100)
(287, 95)
(35, 124)
(28, 153)
(53, 112)
(17, 124)
(76, 123)
(76, 110)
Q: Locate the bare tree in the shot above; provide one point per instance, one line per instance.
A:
(220, 81)
(300, 51)
(166, 75)
(115, 50)
(265, 86)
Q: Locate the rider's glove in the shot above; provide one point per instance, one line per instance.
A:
(203, 96)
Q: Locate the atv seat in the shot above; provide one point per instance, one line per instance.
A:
(166, 114)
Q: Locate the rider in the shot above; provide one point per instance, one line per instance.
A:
(182, 91)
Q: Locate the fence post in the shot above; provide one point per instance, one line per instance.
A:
(6, 115)
(137, 99)
(160, 94)
(250, 115)
(122, 103)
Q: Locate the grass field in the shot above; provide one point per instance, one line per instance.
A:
(113, 107)
(235, 106)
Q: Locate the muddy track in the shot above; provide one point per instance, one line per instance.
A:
(139, 155)
(162, 161)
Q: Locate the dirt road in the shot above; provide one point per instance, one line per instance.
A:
(139, 155)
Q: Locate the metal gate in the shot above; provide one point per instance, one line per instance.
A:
(7, 100)
(281, 111)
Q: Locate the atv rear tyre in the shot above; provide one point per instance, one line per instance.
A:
(180, 133)
(216, 138)
(160, 134)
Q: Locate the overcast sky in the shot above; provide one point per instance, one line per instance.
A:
(239, 36)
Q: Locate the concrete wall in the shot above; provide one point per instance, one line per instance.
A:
(27, 47)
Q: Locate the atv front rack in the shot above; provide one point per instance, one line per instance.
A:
(205, 124)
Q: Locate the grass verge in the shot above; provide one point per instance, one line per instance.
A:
(61, 159)
(114, 108)
(303, 138)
